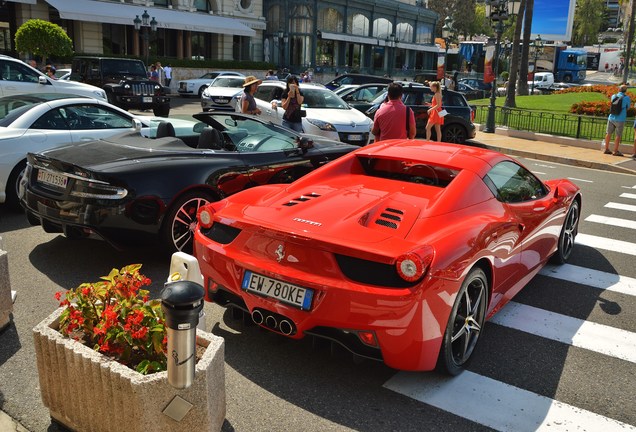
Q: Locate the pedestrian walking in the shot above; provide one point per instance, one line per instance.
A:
(292, 100)
(434, 118)
(393, 119)
(248, 103)
(616, 119)
(154, 75)
(167, 70)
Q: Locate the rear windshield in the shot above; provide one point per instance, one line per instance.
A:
(409, 171)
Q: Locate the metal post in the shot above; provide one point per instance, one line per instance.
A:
(490, 120)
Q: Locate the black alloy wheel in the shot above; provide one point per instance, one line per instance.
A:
(181, 221)
(567, 236)
(454, 133)
(465, 324)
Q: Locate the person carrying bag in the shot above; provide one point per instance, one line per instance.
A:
(292, 100)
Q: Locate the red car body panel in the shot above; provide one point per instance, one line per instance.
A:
(341, 211)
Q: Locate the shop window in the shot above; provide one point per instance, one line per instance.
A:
(358, 24)
(382, 28)
(329, 19)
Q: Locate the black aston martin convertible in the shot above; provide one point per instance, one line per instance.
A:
(121, 187)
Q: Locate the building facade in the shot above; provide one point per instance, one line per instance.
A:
(376, 36)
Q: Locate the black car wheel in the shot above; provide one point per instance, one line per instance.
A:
(454, 133)
(568, 233)
(465, 324)
(13, 185)
(181, 220)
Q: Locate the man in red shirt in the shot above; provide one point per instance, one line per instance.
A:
(390, 120)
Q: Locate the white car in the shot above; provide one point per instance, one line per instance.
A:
(33, 123)
(327, 114)
(196, 86)
(222, 94)
(17, 77)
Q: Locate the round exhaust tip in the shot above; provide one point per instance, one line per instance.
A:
(270, 322)
(257, 316)
(286, 327)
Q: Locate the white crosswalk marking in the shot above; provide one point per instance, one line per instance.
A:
(628, 195)
(623, 223)
(498, 405)
(620, 206)
(606, 244)
(592, 278)
(595, 337)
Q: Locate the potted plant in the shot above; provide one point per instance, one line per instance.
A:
(104, 351)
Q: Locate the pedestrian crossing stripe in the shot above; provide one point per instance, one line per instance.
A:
(619, 206)
(592, 278)
(588, 335)
(606, 244)
(628, 195)
(499, 405)
(618, 222)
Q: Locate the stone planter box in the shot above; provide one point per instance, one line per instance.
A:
(86, 391)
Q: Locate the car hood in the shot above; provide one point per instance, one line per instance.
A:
(339, 116)
(222, 91)
(364, 215)
(64, 84)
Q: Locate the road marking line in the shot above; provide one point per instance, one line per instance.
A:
(581, 180)
(628, 195)
(499, 405)
(620, 206)
(590, 277)
(600, 338)
(606, 244)
(623, 223)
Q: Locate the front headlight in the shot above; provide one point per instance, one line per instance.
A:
(322, 125)
(127, 86)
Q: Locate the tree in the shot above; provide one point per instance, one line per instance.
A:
(43, 38)
(514, 65)
(462, 22)
(522, 79)
(480, 24)
(588, 21)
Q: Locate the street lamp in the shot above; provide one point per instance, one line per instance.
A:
(538, 50)
(600, 41)
(447, 34)
(498, 11)
(144, 23)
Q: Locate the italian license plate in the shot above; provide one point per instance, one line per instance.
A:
(221, 101)
(147, 100)
(52, 179)
(283, 291)
(355, 137)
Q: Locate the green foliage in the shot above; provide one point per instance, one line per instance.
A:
(43, 38)
(588, 19)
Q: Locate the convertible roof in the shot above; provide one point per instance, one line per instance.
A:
(475, 159)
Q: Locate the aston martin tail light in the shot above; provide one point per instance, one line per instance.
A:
(204, 215)
(368, 338)
(413, 265)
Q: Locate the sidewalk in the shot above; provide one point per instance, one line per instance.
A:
(568, 151)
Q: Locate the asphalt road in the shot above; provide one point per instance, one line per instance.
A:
(560, 357)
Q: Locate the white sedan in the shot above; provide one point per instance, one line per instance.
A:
(36, 122)
(222, 94)
(196, 86)
(326, 113)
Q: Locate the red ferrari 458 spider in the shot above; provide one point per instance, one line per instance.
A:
(399, 251)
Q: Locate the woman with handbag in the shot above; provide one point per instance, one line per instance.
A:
(292, 100)
(434, 117)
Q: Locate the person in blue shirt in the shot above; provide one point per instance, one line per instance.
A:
(615, 122)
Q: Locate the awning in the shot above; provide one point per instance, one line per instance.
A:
(376, 42)
(118, 13)
(24, 1)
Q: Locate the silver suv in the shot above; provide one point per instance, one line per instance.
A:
(17, 77)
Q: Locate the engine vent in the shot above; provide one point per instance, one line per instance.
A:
(301, 199)
(390, 218)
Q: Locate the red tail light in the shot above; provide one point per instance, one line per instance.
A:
(368, 338)
(205, 216)
(412, 266)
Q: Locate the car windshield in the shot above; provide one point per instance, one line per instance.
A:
(210, 75)
(123, 67)
(12, 107)
(250, 135)
(322, 98)
(233, 82)
(379, 98)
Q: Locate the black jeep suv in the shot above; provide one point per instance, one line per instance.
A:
(458, 124)
(125, 81)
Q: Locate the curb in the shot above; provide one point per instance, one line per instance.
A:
(7, 424)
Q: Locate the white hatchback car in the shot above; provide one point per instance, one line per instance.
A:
(327, 114)
(17, 77)
(196, 86)
(222, 94)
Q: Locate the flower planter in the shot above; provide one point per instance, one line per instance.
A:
(86, 391)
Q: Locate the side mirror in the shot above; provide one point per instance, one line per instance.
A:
(42, 80)
(137, 125)
(304, 144)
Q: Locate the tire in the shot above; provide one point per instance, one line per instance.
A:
(13, 184)
(177, 230)
(567, 236)
(162, 110)
(465, 324)
(454, 133)
(567, 78)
